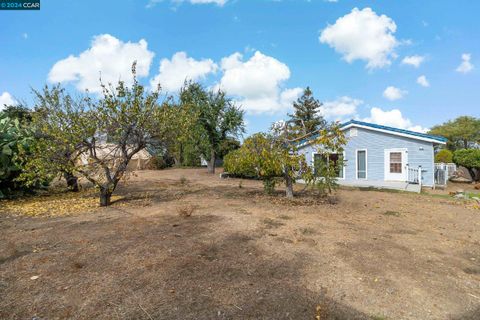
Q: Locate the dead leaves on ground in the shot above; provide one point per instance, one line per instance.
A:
(66, 203)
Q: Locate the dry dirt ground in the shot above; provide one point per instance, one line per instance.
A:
(243, 255)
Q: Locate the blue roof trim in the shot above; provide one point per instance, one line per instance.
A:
(412, 133)
(386, 128)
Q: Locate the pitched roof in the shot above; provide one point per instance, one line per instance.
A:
(386, 129)
(393, 130)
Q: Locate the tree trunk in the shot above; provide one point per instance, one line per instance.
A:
(288, 184)
(105, 197)
(211, 163)
(72, 181)
(176, 162)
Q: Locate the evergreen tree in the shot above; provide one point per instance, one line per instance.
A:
(306, 117)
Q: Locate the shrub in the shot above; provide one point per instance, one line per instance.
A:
(444, 155)
(237, 165)
(16, 142)
(186, 210)
(257, 158)
(470, 159)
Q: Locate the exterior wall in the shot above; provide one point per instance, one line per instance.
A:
(419, 153)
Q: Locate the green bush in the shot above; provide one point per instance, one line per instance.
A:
(16, 141)
(468, 158)
(237, 164)
(444, 155)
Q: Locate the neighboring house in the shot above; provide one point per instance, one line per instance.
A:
(110, 152)
(381, 156)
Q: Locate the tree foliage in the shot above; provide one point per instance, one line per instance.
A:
(462, 132)
(217, 119)
(57, 122)
(306, 117)
(95, 138)
(330, 140)
(258, 157)
(444, 156)
(130, 120)
(470, 159)
(274, 155)
(16, 141)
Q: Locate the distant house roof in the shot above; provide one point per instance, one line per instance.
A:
(385, 129)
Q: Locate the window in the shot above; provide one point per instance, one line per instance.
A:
(337, 160)
(395, 162)
(320, 161)
(353, 132)
(361, 164)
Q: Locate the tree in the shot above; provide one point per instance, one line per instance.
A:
(58, 142)
(330, 139)
(97, 138)
(306, 117)
(462, 133)
(181, 138)
(258, 157)
(444, 156)
(130, 119)
(470, 159)
(274, 155)
(218, 119)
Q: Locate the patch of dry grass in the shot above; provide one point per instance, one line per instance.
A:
(186, 210)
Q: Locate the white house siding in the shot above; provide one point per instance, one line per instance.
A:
(419, 153)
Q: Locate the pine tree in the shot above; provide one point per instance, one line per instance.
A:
(306, 117)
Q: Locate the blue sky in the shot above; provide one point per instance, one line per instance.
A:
(409, 64)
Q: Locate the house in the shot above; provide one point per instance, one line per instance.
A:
(111, 153)
(381, 157)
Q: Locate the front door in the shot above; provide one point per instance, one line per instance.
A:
(396, 161)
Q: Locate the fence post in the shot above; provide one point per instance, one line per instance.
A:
(420, 177)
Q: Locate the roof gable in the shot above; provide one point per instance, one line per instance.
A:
(394, 131)
(380, 128)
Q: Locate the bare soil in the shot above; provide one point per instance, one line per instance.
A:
(207, 248)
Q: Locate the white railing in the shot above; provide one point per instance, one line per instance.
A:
(414, 175)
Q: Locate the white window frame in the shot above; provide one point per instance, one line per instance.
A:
(356, 164)
(386, 160)
(343, 167)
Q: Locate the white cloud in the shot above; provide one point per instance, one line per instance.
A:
(392, 118)
(109, 57)
(393, 93)
(174, 72)
(340, 109)
(363, 35)
(466, 66)
(257, 82)
(6, 99)
(415, 60)
(422, 80)
(345, 108)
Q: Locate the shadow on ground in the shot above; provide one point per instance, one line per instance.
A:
(156, 268)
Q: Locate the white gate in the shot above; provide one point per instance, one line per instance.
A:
(443, 171)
